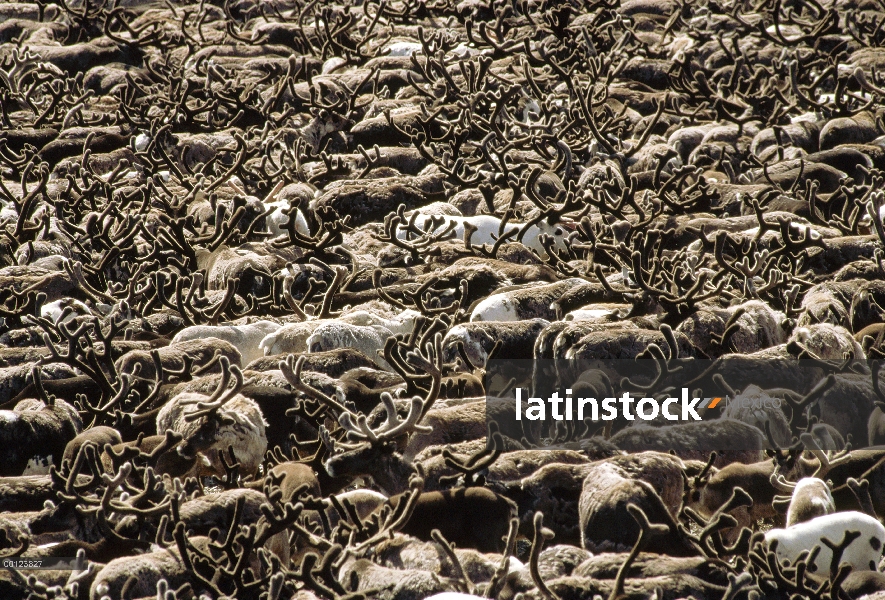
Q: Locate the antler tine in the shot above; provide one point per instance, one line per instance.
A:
(432, 368)
(205, 408)
(410, 424)
(331, 443)
(825, 463)
(222, 385)
(367, 431)
(291, 370)
(357, 427)
(780, 483)
(706, 469)
(226, 394)
(239, 384)
(390, 407)
(356, 430)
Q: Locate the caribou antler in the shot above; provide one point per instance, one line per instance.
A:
(392, 428)
(826, 463)
(221, 394)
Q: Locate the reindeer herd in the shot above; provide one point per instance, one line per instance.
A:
(259, 259)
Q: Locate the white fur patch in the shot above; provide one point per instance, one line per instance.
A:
(8, 416)
(38, 465)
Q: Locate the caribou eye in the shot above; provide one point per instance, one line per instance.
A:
(557, 231)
